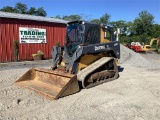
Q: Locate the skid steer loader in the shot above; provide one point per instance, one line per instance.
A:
(88, 58)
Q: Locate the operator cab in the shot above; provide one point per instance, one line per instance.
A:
(85, 33)
(74, 37)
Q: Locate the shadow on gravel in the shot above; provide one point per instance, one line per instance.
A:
(120, 69)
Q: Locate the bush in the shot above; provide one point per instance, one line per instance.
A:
(39, 52)
(15, 50)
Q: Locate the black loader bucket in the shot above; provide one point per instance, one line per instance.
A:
(49, 83)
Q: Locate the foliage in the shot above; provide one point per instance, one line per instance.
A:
(22, 9)
(142, 29)
(32, 11)
(41, 12)
(95, 21)
(105, 19)
(58, 16)
(15, 50)
(143, 23)
(71, 17)
(120, 24)
(8, 9)
(57, 44)
(155, 30)
(39, 53)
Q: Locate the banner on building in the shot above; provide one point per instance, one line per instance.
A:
(32, 35)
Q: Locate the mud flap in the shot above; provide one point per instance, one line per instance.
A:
(49, 83)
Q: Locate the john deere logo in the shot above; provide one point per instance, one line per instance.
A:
(99, 47)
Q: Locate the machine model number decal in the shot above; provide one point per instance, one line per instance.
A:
(99, 47)
(115, 44)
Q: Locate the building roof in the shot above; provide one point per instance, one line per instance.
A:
(31, 17)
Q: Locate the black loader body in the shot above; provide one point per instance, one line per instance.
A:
(88, 58)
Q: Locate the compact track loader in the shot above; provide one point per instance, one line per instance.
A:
(88, 58)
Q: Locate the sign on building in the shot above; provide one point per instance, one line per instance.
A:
(32, 35)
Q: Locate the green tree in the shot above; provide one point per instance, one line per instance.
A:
(130, 28)
(75, 17)
(8, 9)
(120, 24)
(143, 23)
(58, 16)
(21, 8)
(66, 17)
(155, 31)
(72, 17)
(41, 12)
(32, 11)
(95, 21)
(105, 19)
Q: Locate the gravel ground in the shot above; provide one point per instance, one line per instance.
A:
(135, 95)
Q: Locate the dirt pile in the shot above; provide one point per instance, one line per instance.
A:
(132, 58)
(147, 61)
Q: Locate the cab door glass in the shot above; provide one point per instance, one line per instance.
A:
(107, 35)
(74, 38)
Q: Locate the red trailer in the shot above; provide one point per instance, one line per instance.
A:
(135, 46)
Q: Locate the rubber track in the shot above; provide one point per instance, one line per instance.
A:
(89, 69)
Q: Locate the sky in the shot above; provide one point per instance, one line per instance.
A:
(126, 10)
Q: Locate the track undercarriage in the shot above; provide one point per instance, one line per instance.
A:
(103, 70)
